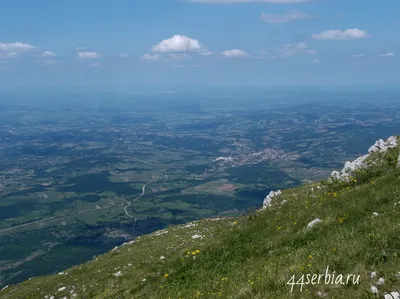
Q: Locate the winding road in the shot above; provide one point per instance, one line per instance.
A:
(130, 203)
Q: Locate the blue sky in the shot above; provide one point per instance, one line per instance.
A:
(125, 43)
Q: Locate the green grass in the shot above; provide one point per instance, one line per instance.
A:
(255, 256)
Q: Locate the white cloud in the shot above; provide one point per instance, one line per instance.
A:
(388, 54)
(316, 61)
(151, 57)
(206, 53)
(248, 1)
(312, 52)
(347, 34)
(124, 55)
(234, 53)
(89, 55)
(48, 54)
(178, 44)
(357, 55)
(17, 46)
(293, 15)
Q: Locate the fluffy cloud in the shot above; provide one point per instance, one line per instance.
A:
(17, 46)
(124, 55)
(316, 61)
(357, 55)
(234, 53)
(293, 15)
(387, 54)
(348, 34)
(178, 44)
(248, 1)
(88, 55)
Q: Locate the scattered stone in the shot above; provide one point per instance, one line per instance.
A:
(314, 222)
(61, 289)
(372, 274)
(144, 279)
(322, 294)
(268, 199)
(129, 243)
(283, 202)
(392, 295)
(374, 290)
(375, 214)
(119, 273)
(397, 275)
(162, 257)
(190, 225)
(381, 281)
(197, 237)
(161, 233)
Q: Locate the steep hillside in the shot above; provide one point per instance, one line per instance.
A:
(349, 223)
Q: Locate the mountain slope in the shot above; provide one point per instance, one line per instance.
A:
(255, 256)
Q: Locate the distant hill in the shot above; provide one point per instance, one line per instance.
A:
(345, 228)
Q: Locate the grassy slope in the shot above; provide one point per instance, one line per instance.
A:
(256, 255)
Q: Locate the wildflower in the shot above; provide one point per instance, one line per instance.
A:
(197, 251)
(194, 252)
(166, 275)
(310, 257)
(279, 227)
(234, 223)
(341, 220)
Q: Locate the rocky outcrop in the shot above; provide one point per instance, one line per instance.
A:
(380, 146)
(269, 197)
